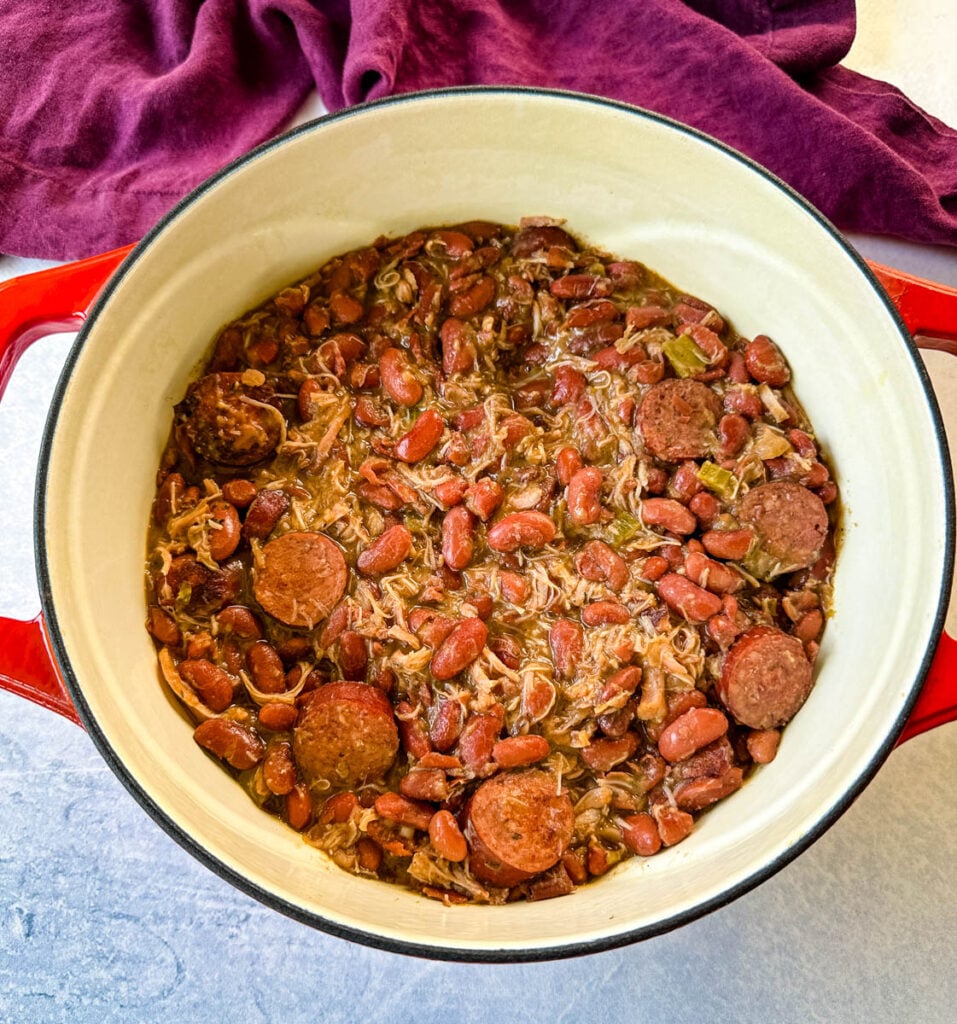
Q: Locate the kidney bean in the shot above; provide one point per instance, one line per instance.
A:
(744, 401)
(762, 745)
(654, 567)
(514, 587)
(446, 837)
(429, 626)
(521, 529)
(765, 362)
(403, 811)
(685, 483)
(239, 492)
(599, 563)
(670, 514)
(723, 629)
(808, 627)
(460, 648)
(239, 620)
(266, 668)
(162, 627)
(265, 511)
(412, 731)
(299, 806)
(484, 497)
(582, 496)
(625, 680)
(447, 720)
(711, 575)
(223, 530)
(353, 655)
(458, 543)
(733, 431)
(279, 771)
(640, 834)
(567, 643)
(230, 741)
(478, 738)
(605, 613)
(569, 386)
(421, 438)
(696, 794)
(458, 346)
(168, 497)
(278, 717)
(398, 378)
(687, 599)
(473, 299)
(214, 686)
(581, 286)
(674, 825)
(379, 495)
(519, 751)
(369, 414)
(425, 784)
(482, 602)
(368, 854)
(602, 755)
(386, 552)
(567, 463)
(338, 809)
(614, 724)
(689, 732)
(507, 649)
(706, 508)
(731, 545)
(452, 491)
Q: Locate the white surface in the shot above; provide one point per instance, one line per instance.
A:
(103, 917)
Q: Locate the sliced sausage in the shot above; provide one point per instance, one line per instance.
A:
(229, 422)
(517, 825)
(346, 734)
(677, 419)
(790, 522)
(766, 678)
(301, 578)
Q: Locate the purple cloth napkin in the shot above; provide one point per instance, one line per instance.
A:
(114, 110)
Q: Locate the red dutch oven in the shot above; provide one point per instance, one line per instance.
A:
(644, 188)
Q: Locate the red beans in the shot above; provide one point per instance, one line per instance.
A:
(584, 488)
(423, 436)
(230, 741)
(732, 545)
(521, 530)
(687, 599)
(484, 497)
(458, 346)
(689, 732)
(640, 834)
(446, 837)
(266, 668)
(458, 544)
(224, 530)
(567, 463)
(765, 362)
(520, 751)
(669, 514)
(386, 552)
(398, 378)
(567, 643)
(460, 648)
(598, 562)
(604, 613)
(214, 686)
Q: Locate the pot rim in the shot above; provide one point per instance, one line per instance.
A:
(504, 955)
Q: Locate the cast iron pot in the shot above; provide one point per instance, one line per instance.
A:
(641, 186)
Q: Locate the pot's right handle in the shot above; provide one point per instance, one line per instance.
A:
(930, 312)
(32, 306)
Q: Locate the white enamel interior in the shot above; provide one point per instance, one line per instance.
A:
(642, 189)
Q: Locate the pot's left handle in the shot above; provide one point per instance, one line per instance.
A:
(32, 306)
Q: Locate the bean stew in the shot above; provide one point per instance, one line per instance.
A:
(486, 559)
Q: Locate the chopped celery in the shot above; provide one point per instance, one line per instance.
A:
(183, 596)
(623, 527)
(685, 356)
(721, 481)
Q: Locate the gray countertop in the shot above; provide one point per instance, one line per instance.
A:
(104, 918)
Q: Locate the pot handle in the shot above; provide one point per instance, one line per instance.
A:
(32, 306)
(930, 312)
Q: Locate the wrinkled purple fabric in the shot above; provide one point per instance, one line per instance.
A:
(112, 111)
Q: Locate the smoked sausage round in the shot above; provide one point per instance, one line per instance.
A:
(301, 578)
(678, 419)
